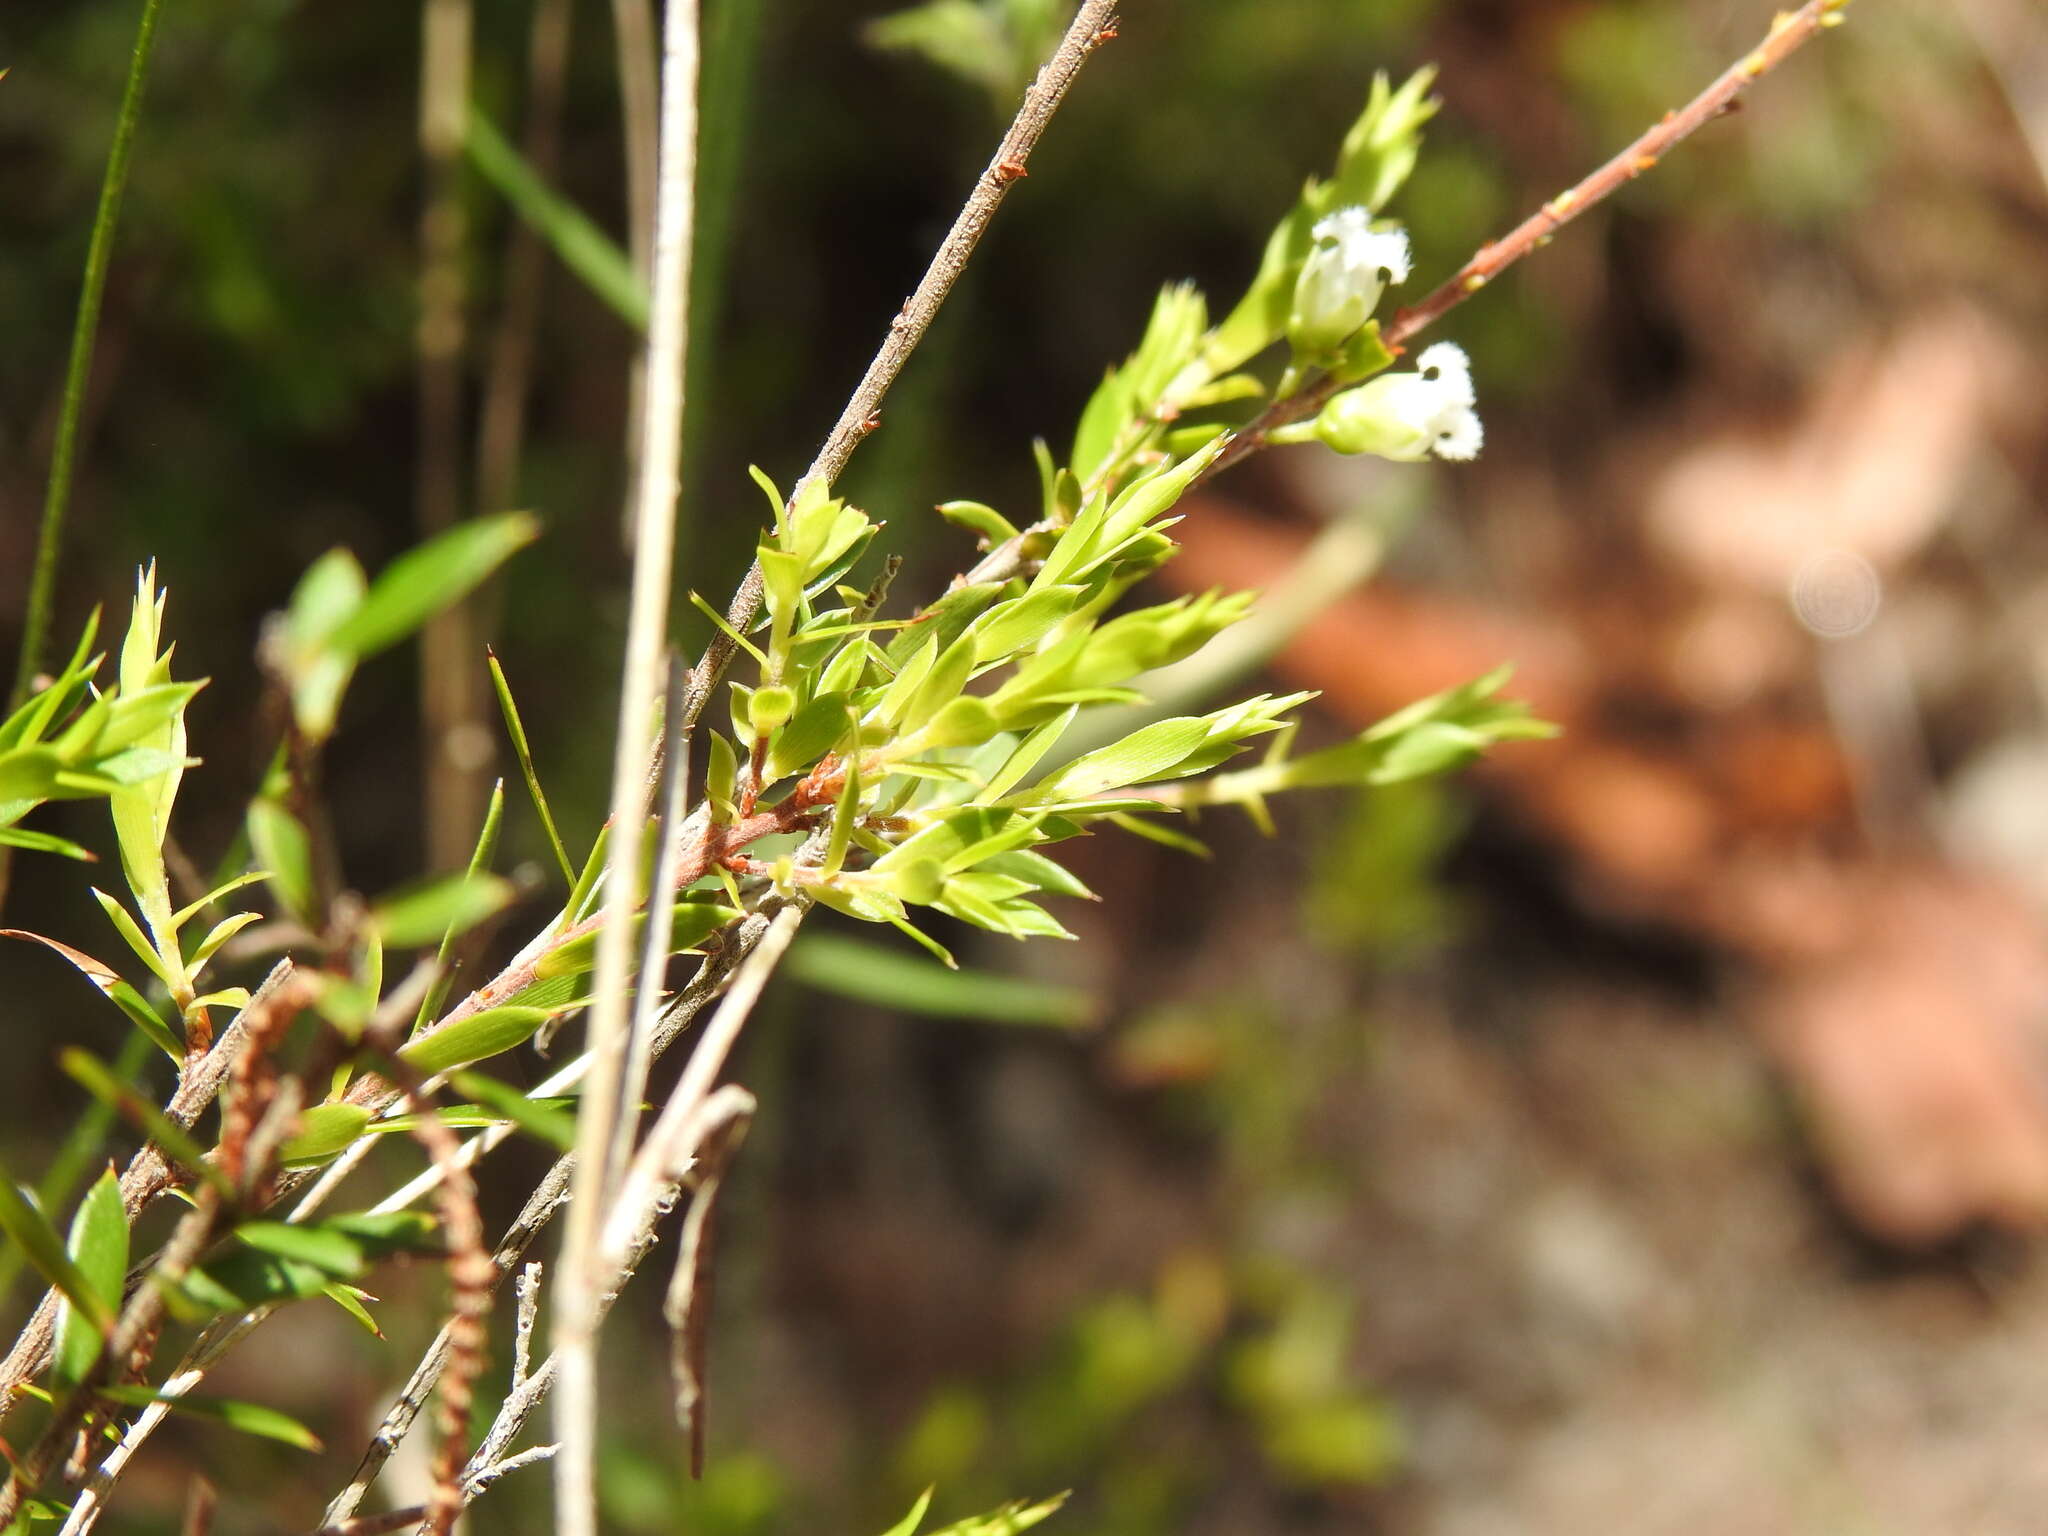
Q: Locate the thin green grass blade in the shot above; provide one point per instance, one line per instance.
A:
(516, 729)
(57, 496)
(584, 249)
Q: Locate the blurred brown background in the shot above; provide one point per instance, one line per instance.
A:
(1647, 1132)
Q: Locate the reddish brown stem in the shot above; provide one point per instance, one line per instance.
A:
(1789, 32)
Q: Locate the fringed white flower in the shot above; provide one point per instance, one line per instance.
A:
(1408, 416)
(1343, 278)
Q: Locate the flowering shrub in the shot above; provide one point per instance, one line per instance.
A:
(887, 760)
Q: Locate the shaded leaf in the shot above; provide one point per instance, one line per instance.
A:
(98, 1248)
(423, 581)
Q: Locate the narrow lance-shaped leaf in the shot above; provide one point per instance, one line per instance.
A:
(515, 728)
(250, 1418)
(871, 974)
(545, 1121)
(120, 993)
(94, 1076)
(481, 1035)
(584, 249)
(437, 575)
(30, 1228)
(98, 1248)
(440, 908)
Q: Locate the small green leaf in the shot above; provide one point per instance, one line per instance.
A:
(386, 1232)
(423, 581)
(545, 1121)
(869, 973)
(910, 676)
(811, 732)
(94, 1076)
(1144, 755)
(1166, 837)
(218, 935)
(515, 728)
(908, 1525)
(967, 721)
(721, 771)
(1021, 623)
(942, 684)
(250, 1418)
(283, 847)
(991, 525)
(185, 915)
(132, 932)
(45, 842)
(350, 1299)
(941, 623)
(98, 1248)
(581, 245)
(320, 1246)
(1009, 1520)
(120, 993)
(31, 1229)
(325, 1131)
(247, 1279)
(481, 1035)
(425, 912)
(690, 924)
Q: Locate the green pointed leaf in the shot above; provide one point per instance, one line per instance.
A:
(425, 912)
(383, 1233)
(325, 1131)
(185, 915)
(437, 575)
(690, 924)
(810, 733)
(320, 1246)
(44, 842)
(120, 993)
(250, 1418)
(39, 1241)
(991, 525)
(132, 932)
(98, 1248)
(218, 935)
(1009, 1520)
(908, 1525)
(481, 1035)
(97, 1079)
(869, 973)
(582, 247)
(283, 847)
(1146, 754)
(350, 1299)
(515, 728)
(544, 1121)
(942, 622)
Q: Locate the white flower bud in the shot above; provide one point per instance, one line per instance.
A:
(1342, 279)
(1409, 416)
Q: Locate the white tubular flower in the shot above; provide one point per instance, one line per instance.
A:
(1342, 279)
(1409, 416)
